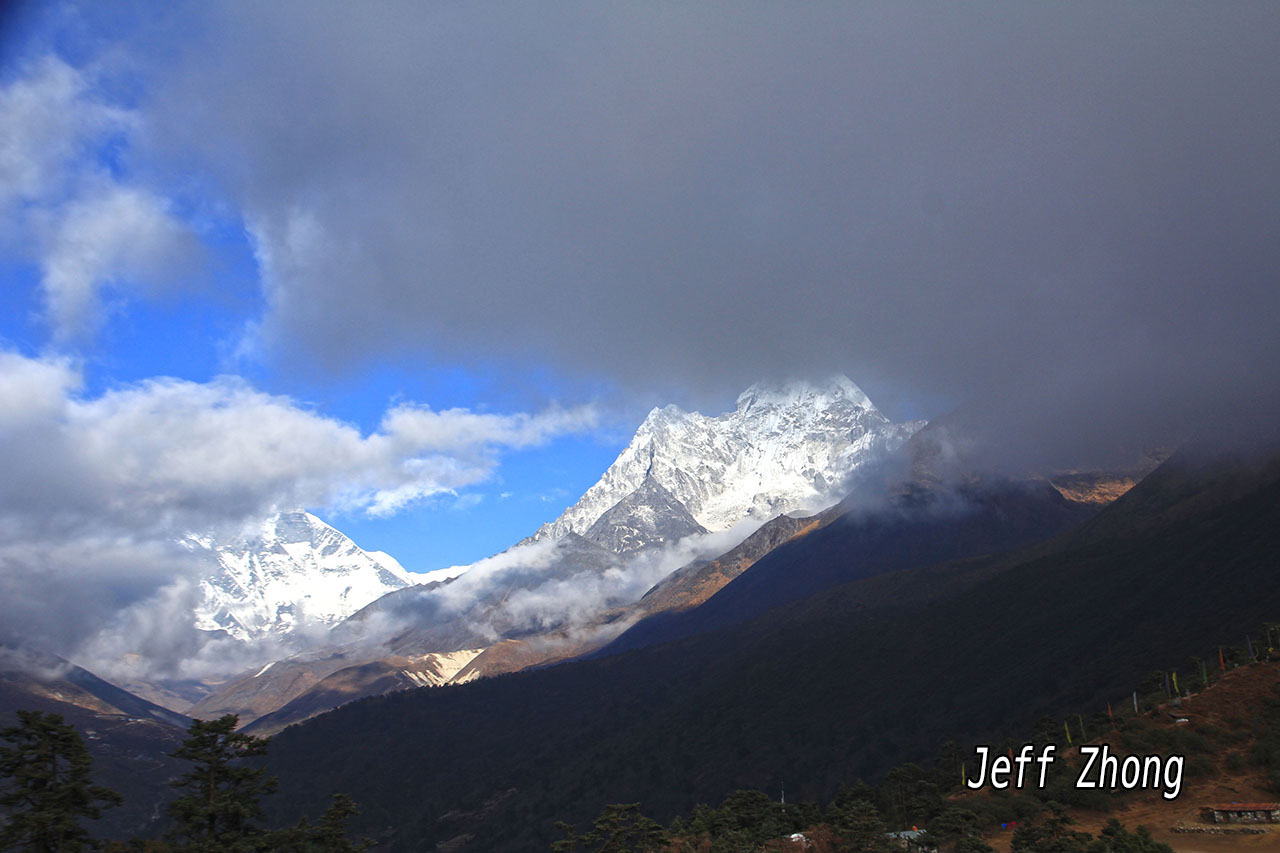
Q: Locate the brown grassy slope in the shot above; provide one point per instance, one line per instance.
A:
(1224, 715)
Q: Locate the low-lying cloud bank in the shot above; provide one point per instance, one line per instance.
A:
(94, 490)
(563, 587)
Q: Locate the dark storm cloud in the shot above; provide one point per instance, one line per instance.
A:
(1064, 215)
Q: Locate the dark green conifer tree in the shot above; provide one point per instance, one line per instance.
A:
(908, 796)
(857, 825)
(327, 836)
(1115, 838)
(959, 830)
(47, 788)
(218, 810)
(620, 828)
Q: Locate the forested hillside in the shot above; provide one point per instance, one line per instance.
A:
(840, 686)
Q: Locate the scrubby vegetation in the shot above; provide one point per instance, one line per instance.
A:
(47, 793)
(846, 684)
(750, 821)
(861, 817)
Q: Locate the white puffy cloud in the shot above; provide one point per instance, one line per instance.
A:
(169, 452)
(536, 587)
(116, 234)
(33, 390)
(85, 225)
(94, 489)
(46, 116)
(455, 434)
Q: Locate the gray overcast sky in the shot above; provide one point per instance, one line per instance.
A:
(1063, 214)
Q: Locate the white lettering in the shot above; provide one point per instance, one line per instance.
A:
(1081, 781)
(1132, 772)
(1023, 759)
(1045, 759)
(1172, 783)
(1004, 767)
(983, 752)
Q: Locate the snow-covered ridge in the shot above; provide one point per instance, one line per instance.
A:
(292, 570)
(783, 448)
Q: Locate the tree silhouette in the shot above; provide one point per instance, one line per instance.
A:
(620, 828)
(327, 836)
(47, 786)
(858, 825)
(1115, 838)
(219, 811)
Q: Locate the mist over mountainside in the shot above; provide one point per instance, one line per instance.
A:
(919, 527)
(558, 303)
(514, 592)
(693, 584)
(128, 737)
(784, 448)
(840, 685)
(923, 503)
(536, 602)
(31, 678)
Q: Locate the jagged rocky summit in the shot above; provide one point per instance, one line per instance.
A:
(784, 448)
(291, 570)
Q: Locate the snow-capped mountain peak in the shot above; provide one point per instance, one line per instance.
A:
(784, 448)
(837, 389)
(291, 569)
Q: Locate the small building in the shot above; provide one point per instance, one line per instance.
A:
(1241, 813)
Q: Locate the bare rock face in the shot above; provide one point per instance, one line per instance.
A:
(649, 516)
(783, 449)
(572, 586)
(691, 585)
